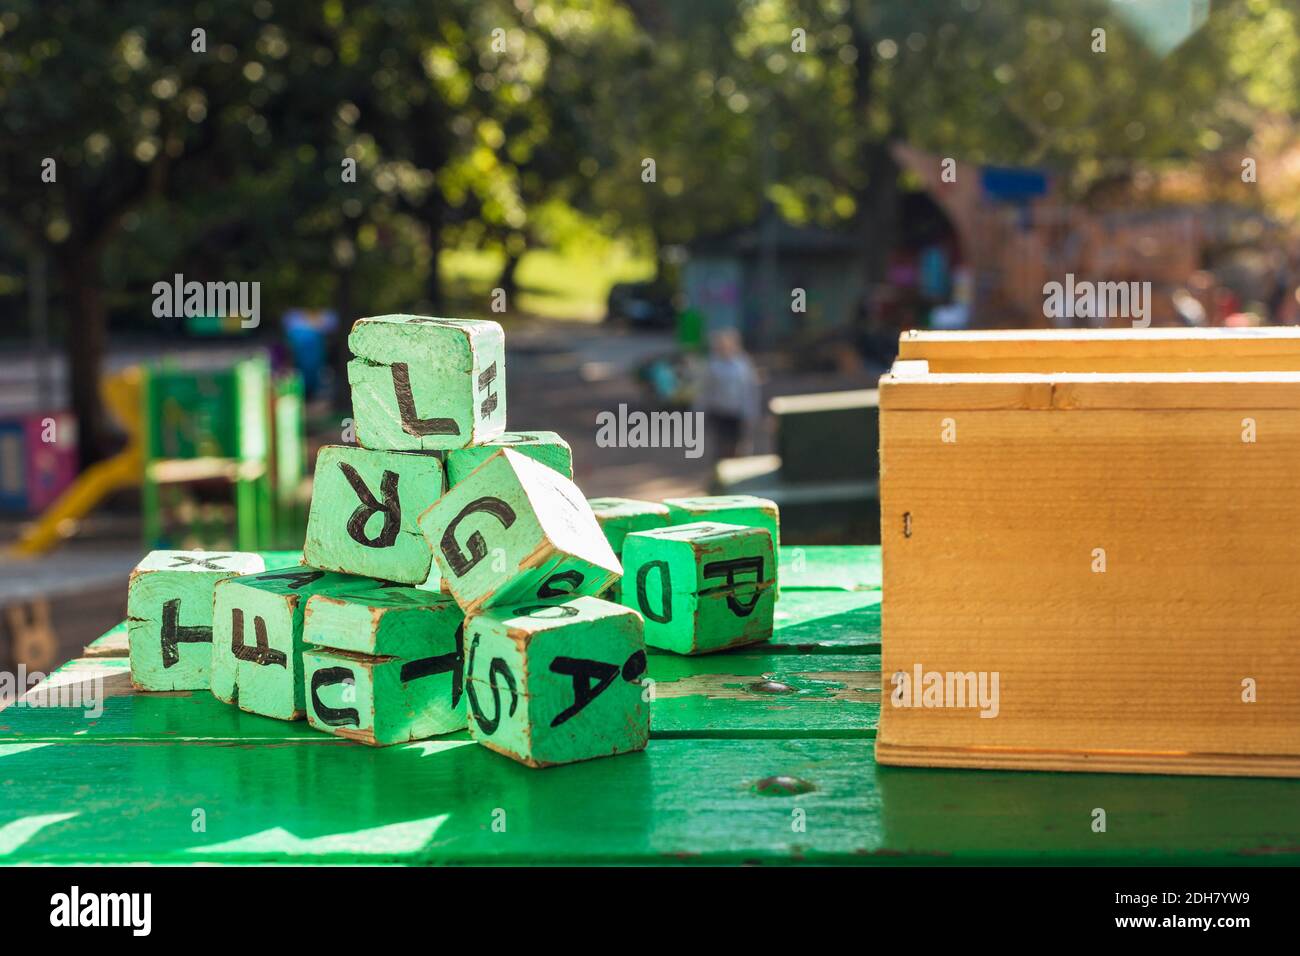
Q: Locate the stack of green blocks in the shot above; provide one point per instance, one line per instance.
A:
(454, 575)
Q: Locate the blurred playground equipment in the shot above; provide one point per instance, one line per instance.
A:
(38, 460)
(224, 457)
(219, 456)
(121, 395)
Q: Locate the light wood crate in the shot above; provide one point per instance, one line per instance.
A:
(1110, 522)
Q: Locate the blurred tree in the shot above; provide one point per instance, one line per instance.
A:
(477, 122)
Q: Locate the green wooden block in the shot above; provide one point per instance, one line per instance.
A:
(514, 531)
(169, 615)
(388, 621)
(619, 517)
(364, 511)
(384, 700)
(425, 384)
(401, 648)
(546, 447)
(257, 636)
(557, 681)
(747, 510)
(701, 587)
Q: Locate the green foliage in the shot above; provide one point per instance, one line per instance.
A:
(502, 127)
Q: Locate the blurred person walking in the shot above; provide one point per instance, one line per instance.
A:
(729, 396)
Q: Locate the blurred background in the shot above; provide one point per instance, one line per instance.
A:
(724, 206)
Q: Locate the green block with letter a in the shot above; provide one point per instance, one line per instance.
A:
(386, 665)
(619, 517)
(701, 587)
(427, 384)
(515, 531)
(257, 628)
(169, 615)
(557, 681)
(364, 511)
(545, 447)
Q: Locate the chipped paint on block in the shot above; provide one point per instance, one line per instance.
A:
(701, 587)
(169, 615)
(516, 531)
(557, 681)
(426, 384)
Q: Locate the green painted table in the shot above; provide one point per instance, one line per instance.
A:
(182, 778)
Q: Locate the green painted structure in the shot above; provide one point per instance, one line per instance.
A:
(237, 427)
(734, 737)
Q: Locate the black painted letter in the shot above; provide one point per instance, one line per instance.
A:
(332, 716)
(391, 507)
(476, 548)
(261, 652)
(729, 570)
(583, 672)
(665, 583)
(173, 633)
(412, 423)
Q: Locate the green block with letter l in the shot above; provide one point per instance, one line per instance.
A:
(427, 384)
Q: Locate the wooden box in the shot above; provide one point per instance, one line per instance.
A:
(1101, 531)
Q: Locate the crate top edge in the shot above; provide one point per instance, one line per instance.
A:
(1018, 343)
(1082, 391)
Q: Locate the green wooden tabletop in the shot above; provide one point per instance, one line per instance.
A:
(759, 755)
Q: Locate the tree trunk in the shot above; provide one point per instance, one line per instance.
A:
(508, 280)
(880, 211)
(85, 333)
(345, 311)
(434, 220)
(877, 199)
